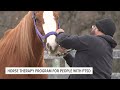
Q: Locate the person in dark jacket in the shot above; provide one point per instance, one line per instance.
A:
(93, 50)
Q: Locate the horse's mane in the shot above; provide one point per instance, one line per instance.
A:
(16, 44)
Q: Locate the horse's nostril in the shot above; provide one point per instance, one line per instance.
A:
(48, 45)
(50, 48)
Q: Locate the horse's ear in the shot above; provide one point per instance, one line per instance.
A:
(56, 14)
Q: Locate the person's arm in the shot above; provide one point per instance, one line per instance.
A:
(69, 59)
(72, 41)
(78, 43)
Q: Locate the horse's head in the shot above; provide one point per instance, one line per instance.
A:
(49, 22)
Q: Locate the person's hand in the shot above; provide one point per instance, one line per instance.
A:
(62, 51)
(59, 31)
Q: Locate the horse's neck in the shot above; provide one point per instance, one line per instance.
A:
(37, 46)
(38, 51)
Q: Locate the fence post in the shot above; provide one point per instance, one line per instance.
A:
(56, 63)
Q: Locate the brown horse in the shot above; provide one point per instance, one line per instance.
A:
(21, 47)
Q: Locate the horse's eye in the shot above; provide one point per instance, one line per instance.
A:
(37, 20)
(43, 22)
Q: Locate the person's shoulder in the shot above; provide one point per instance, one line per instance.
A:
(88, 36)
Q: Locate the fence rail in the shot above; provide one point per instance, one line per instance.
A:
(116, 54)
(54, 61)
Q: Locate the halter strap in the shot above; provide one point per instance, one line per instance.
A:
(41, 37)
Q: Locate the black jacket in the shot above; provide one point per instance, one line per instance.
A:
(91, 51)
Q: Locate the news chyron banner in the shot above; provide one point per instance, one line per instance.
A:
(49, 70)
